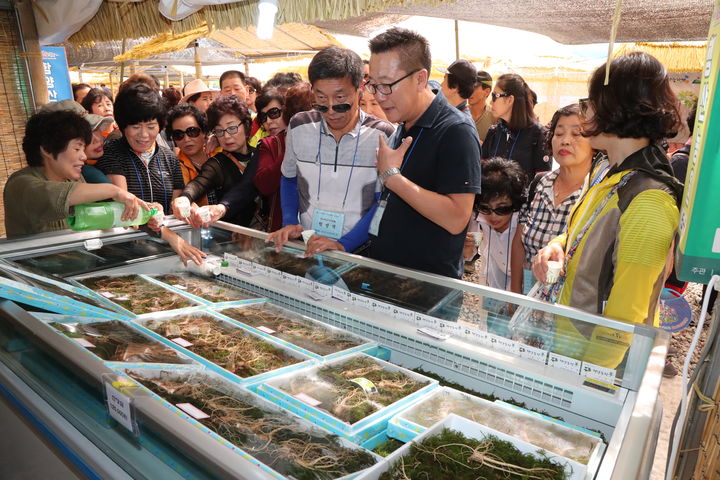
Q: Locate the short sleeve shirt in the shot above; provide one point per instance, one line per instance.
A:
(443, 158)
(153, 182)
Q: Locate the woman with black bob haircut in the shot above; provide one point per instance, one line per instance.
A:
(517, 135)
(619, 237)
(229, 121)
(136, 161)
(39, 197)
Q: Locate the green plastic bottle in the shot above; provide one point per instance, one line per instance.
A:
(101, 215)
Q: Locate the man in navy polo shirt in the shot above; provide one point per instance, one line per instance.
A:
(432, 175)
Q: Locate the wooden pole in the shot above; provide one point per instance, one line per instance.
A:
(80, 79)
(198, 62)
(247, 69)
(457, 41)
(167, 77)
(122, 64)
(31, 52)
(182, 80)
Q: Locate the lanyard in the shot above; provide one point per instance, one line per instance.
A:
(512, 149)
(319, 161)
(407, 157)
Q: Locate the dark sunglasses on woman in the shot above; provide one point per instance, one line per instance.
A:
(273, 113)
(339, 108)
(501, 210)
(192, 132)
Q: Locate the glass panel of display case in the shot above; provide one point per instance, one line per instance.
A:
(79, 260)
(205, 288)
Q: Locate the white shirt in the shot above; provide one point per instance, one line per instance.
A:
(496, 248)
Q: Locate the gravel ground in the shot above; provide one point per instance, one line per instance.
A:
(681, 340)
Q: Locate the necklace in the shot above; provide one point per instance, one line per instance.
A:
(558, 191)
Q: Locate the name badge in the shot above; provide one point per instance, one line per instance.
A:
(375, 222)
(328, 224)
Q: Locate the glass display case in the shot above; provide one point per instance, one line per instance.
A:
(250, 304)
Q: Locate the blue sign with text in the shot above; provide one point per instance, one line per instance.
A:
(57, 75)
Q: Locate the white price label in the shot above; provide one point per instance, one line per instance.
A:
(289, 279)
(564, 363)
(305, 398)
(383, 308)
(403, 314)
(276, 275)
(261, 269)
(192, 410)
(597, 372)
(245, 267)
(267, 330)
(118, 406)
(84, 343)
(450, 328)
(305, 284)
(361, 301)
(478, 337)
(507, 345)
(422, 320)
(341, 294)
(532, 353)
(107, 294)
(320, 291)
(182, 342)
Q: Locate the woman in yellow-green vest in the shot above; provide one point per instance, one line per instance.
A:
(619, 236)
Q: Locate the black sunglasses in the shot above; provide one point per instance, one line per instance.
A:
(501, 210)
(192, 132)
(339, 107)
(495, 96)
(273, 113)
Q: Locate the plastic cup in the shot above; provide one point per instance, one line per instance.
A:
(553, 272)
(205, 215)
(306, 234)
(477, 238)
(183, 204)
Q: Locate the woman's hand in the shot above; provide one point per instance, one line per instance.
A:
(553, 252)
(178, 205)
(469, 248)
(184, 250)
(318, 243)
(281, 237)
(154, 222)
(131, 202)
(216, 212)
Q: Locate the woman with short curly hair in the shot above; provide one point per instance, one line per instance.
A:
(619, 237)
(229, 121)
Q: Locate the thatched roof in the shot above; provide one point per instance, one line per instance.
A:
(676, 57)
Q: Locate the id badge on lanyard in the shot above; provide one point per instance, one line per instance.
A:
(377, 218)
(328, 224)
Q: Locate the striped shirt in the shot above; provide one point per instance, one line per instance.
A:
(541, 220)
(153, 182)
(335, 175)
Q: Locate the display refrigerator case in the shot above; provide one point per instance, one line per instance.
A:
(106, 341)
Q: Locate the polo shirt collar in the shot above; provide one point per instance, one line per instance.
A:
(427, 119)
(354, 132)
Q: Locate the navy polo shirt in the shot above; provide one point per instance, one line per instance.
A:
(444, 158)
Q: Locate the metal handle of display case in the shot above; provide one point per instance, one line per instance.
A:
(202, 448)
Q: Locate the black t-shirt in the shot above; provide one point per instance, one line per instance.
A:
(526, 146)
(444, 158)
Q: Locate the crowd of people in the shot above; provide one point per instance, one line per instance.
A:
(375, 158)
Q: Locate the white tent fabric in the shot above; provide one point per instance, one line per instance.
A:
(58, 19)
(178, 9)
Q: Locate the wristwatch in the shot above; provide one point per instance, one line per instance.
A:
(388, 173)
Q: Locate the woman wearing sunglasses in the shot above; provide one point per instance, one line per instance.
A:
(517, 135)
(552, 196)
(187, 127)
(229, 120)
(617, 247)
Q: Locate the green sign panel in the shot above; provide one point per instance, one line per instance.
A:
(698, 253)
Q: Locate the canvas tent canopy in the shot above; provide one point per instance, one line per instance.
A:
(566, 21)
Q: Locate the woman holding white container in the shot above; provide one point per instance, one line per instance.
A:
(552, 195)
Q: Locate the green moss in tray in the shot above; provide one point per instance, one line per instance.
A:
(272, 437)
(229, 347)
(117, 342)
(451, 455)
(292, 328)
(205, 288)
(136, 294)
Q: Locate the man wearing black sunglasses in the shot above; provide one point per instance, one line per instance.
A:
(433, 174)
(329, 180)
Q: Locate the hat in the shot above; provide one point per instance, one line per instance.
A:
(463, 70)
(195, 87)
(483, 78)
(95, 121)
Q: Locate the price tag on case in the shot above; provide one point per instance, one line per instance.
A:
(341, 294)
(532, 353)
(590, 370)
(119, 405)
(320, 291)
(564, 363)
(402, 314)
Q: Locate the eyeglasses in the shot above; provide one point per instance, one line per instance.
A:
(338, 107)
(251, 90)
(495, 96)
(584, 105)
(386, 88)
(501, 210)
(231, 130)
(273, 113)
(192, 132)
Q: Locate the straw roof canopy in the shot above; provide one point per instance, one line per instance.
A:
(565, 21)
(677, 57)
